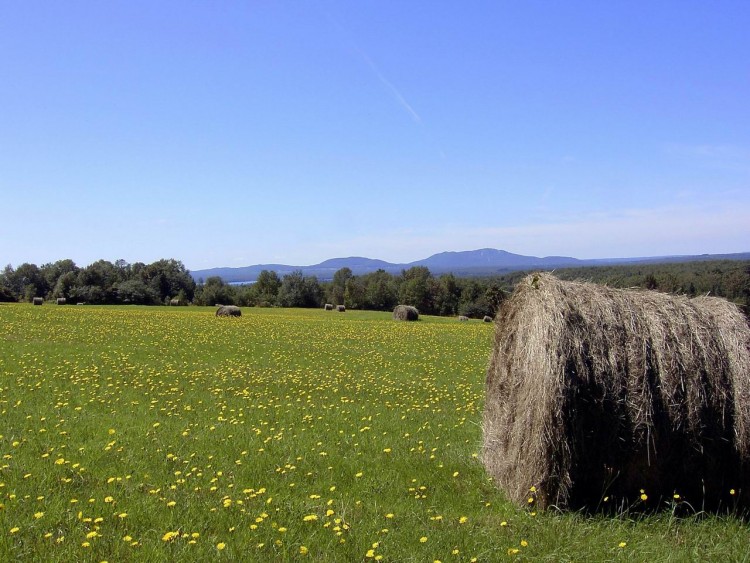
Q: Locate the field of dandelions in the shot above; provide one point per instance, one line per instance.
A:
(166, 434)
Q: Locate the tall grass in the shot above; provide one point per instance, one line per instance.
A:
(161, 434)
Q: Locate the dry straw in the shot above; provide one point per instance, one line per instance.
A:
(595, 393)
(228, 311)
(405, 313)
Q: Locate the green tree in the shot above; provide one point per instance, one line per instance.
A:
(215, 292)
(267, 287)
(414, 288)
(337, 288)
(169, 278)
(380, 291)
(298, 291)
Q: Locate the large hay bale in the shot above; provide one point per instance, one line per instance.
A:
(405, 313)
(228, 311)
(595, 392)
(61, 301)
(463, 318)
(341, 308)
(175, 302)
(328, 306)
(487, 319)
(38, 301)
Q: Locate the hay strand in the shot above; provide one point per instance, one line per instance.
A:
(405, 313)
(228, 311)
(594, 392)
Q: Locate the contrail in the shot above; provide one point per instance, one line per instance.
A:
(388, 84)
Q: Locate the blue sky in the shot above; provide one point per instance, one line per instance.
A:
(235, 133)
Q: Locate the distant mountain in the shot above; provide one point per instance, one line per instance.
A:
(482, 262)
(491, 258)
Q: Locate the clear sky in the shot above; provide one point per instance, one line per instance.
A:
(234, 133)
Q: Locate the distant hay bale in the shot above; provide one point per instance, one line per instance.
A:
(228, 311)
(340, 308)
(487, 319)
(463, 318)
(405, 313)
(174, 302)
(328, 307)
(38, 301)
(61, 301)
(594, 392)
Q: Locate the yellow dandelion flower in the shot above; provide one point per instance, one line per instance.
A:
(644, 497)
(463, 519)
(622, 544)
(310, 518)
(524, 543)
(303, 550)
(38, 515)
(513, 550)
(14, 530)
(169, 536)
(220, 545)
(370, 553)
(423, 539)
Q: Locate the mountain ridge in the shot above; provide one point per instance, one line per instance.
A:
(480, 262)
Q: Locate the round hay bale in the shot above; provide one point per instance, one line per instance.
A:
(487, 319)
(328, 307)
(405, 313)
(340, 308)
(175, 302)
(38, 301)
(463, 318)
(61, 301)
(228, 311)
(594, 392)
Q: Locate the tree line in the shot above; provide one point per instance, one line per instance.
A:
(377, 291)
(161, 282)
(99, 283)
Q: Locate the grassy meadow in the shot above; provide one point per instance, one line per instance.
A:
(163, 434)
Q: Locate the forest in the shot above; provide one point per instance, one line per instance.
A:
(168, 281)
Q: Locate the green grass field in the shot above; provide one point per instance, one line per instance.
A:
(162, 434)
